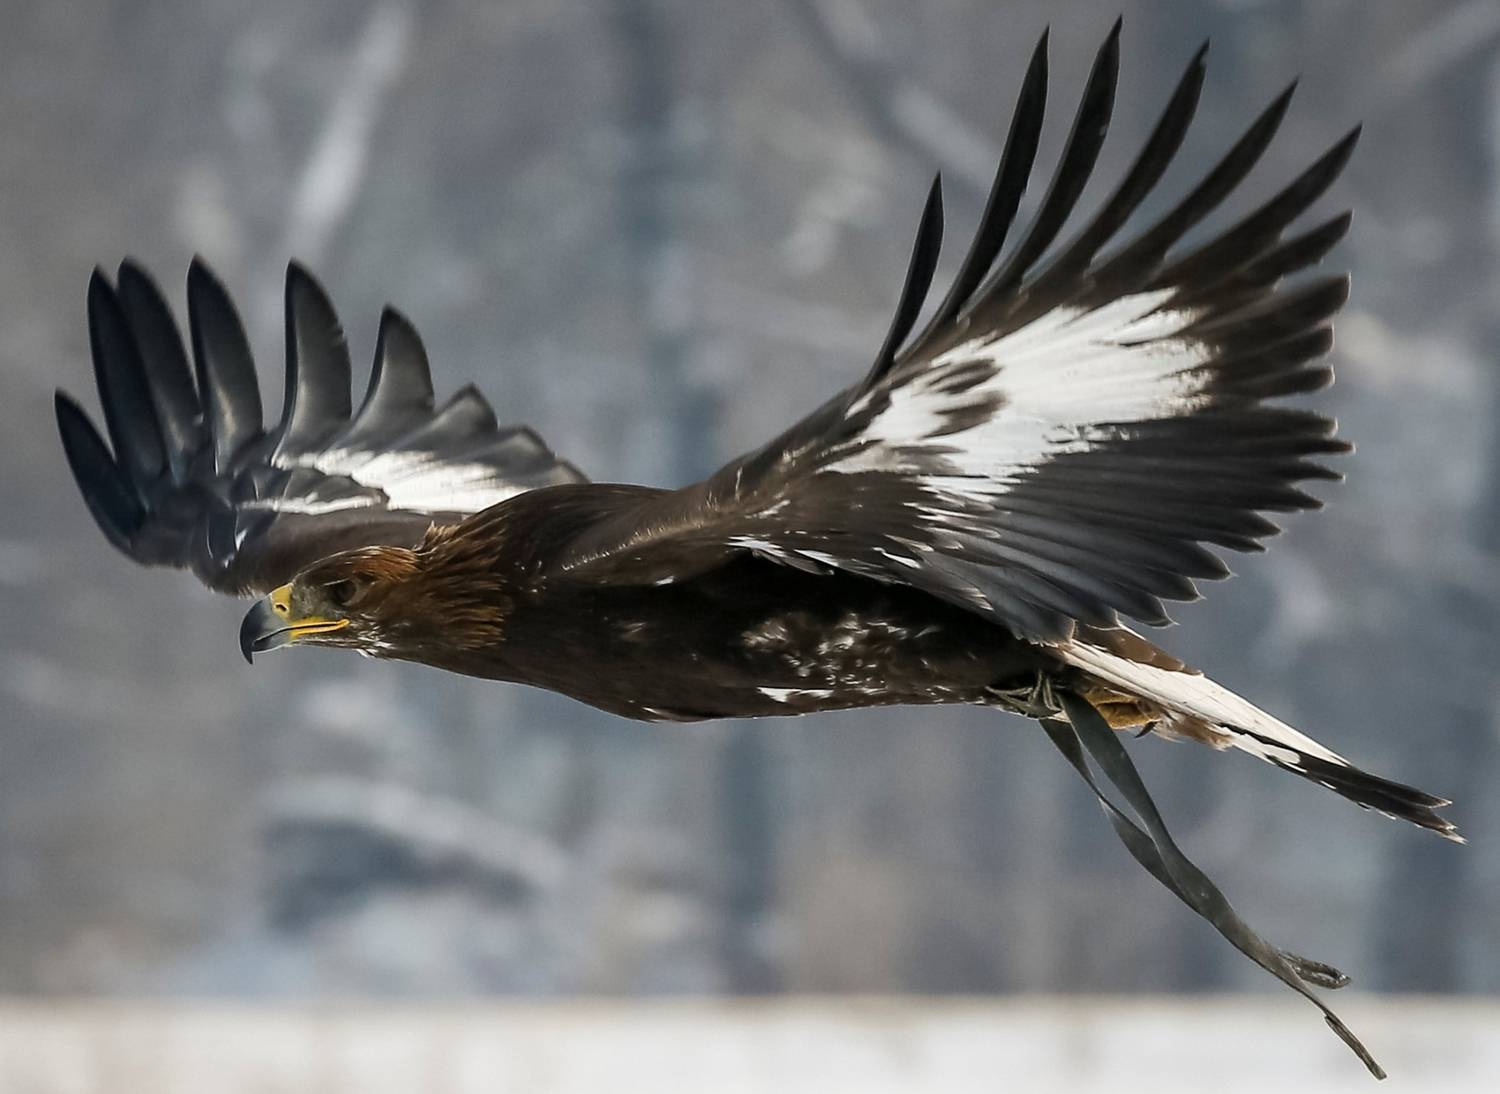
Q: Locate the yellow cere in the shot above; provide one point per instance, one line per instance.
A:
(281, 601)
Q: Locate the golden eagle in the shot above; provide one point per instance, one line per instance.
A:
(1057, 447)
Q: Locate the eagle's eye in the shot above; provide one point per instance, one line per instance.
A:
(340, 593)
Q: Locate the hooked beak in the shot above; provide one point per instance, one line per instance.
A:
(271, 623)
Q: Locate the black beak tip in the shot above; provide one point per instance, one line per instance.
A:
(259, 625)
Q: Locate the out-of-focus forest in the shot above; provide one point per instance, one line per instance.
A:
(658, 231)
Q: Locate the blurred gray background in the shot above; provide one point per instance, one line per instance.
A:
(658, 232)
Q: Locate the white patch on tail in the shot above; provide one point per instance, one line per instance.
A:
(1198, 697)
(1234, 722)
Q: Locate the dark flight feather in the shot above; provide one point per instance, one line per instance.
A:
(174, 396)
(225, 369)
(191, 479)
(1080, 153)
(399, 396)
(923, 264)
(1004, 197)
(318, 372)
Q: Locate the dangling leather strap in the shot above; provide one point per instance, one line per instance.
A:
(1154, 849)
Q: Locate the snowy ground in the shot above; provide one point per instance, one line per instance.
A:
(867, 1046)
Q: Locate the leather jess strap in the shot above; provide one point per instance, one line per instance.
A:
(1152, 846)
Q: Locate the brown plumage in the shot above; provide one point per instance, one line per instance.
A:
(1058, 448)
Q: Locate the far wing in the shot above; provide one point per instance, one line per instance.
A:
(1065, 436)
(193, 478)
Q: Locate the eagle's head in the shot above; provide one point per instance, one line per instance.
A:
(447, 597)
(352, 599)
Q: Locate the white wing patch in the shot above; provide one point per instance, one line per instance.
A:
(305, 507)
(413, 481)
(430, 485)
(1061, 384)
(786, 695)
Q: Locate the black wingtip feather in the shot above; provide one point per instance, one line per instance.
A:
(1080, 153)
(1243, 243)
(1270, 319)
(317, 367)
(919, 271)
(164, 359)
(224, 367)
(1140, 258)
(400, 379)
(129, 413)
(1262, 275)
(1062, 273)
(105, 490)
(1005, 194)
(1284, 100)
(463, 419)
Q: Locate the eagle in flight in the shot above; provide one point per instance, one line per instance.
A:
(1055, 450)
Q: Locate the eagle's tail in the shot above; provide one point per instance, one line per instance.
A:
(1134, 683)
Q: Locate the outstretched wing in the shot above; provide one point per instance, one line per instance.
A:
(196, 480)
(1063, 438)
